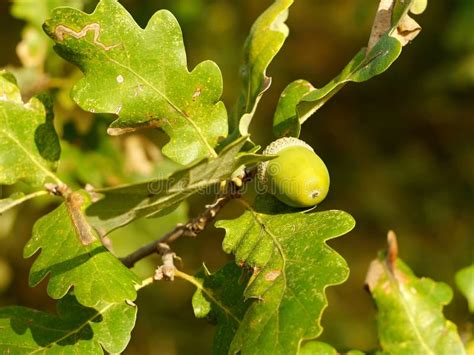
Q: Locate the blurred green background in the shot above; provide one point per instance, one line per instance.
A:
(400, 150)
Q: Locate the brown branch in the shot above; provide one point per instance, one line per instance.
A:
(192, 228)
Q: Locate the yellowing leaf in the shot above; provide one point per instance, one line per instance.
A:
(410, 318)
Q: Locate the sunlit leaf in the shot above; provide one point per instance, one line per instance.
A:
(410, 318)
(265, 40)
(292, 268)
(74, 330)
(29, 146)
(465, 283)
(91, 269)
(141, 75)
(124, 204)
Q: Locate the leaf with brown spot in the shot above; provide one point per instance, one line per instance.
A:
(95, 273)
(295, 267)
(141, 75)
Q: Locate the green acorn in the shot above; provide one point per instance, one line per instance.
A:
(297, 177)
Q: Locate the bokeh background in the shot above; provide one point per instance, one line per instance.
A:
(400, 150)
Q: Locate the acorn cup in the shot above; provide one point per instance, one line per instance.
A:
(297, 176)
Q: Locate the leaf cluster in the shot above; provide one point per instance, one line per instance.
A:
(272, 299)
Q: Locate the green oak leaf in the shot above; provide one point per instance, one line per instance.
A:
(410, 318)
(301, 99)
(292, 268)
(122, 205)
(220, 298)
(29, 146)
(265, 40)
(74, 330)
(141, 75)
(91, 269)
(465, 283)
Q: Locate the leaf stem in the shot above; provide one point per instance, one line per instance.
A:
(190, 279)
(146, 282)
(23, 199)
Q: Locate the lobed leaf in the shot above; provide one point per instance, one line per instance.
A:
(410, 318)
(91, 269)
(392, 29)
(265, 40)
(29, 146)
(141, 75)
(292, 268)
(465, 283)
(219, 298)
(75, 329)
(127, 203)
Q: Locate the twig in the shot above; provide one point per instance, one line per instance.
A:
(191, 229)
(392, 252)
(167, 270)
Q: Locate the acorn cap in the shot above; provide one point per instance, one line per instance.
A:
(273, 149)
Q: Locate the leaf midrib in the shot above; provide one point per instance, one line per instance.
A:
(203, 139)
(281, 251)
(29, 155)
(394, 282)
(76, 330)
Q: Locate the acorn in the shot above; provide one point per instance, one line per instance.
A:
(297, 176)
